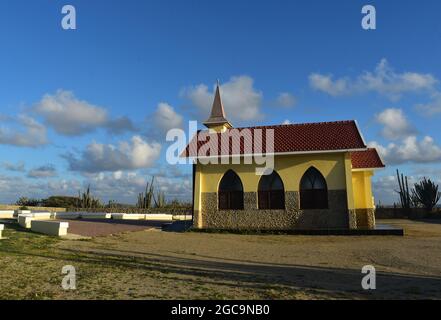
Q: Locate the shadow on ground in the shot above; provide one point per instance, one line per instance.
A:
(203, 270)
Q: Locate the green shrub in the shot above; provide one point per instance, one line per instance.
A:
(60, 202)
(426, 193)
(24, 201)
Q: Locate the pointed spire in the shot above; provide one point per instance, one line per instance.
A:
(217, 116)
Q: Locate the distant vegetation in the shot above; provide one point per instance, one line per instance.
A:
(23, 202)
(59, 202)
(424, 194)
(147, 199)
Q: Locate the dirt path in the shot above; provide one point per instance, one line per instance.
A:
(244, 266)
(94, 228)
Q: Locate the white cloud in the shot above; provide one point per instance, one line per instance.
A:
(384, 188)
(395, 124)
(120, 186)
(69, 116)
(14, 167)
(131, 155)
(383, 80)
(326, 84)
(46, 171)
(166, 118)
(241, 101)
(59, 187)
(125, 186)
(117, 184)
(175, 188)
(120, 125)
(286, 122)
(431, 108)
(169, 171)
(26, 132)
(285, 100)
(410, 149)
(12, 188)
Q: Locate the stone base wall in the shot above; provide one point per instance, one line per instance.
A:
(352, 219)
(290, 218)
(365, 218)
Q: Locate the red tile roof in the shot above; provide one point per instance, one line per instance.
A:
(305, 137)
(366, 159)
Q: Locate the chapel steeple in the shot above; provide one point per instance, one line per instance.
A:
(217, 120)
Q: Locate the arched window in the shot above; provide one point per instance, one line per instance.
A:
(230, 192)
(271, 192)
(313, 190)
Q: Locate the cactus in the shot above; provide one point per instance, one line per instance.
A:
(426, 193)
(405, 197)
(87, 201)
(160, 203)
(145, 199)
(112, 204)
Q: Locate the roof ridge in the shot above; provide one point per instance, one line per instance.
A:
(294, 124)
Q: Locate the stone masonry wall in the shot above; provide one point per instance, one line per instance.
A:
(365, 218)
(290, 218)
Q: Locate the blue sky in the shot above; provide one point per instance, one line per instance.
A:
(142, 66)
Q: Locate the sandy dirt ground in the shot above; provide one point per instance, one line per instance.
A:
(152, 264)
(94, 228)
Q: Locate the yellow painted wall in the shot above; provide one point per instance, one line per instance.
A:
(219, 128)
(362, 189)
(197, 197)
(348, 180)
(290, 168)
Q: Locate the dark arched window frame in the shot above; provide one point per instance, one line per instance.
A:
(271, 192)
(230, 193)
(313, 190)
